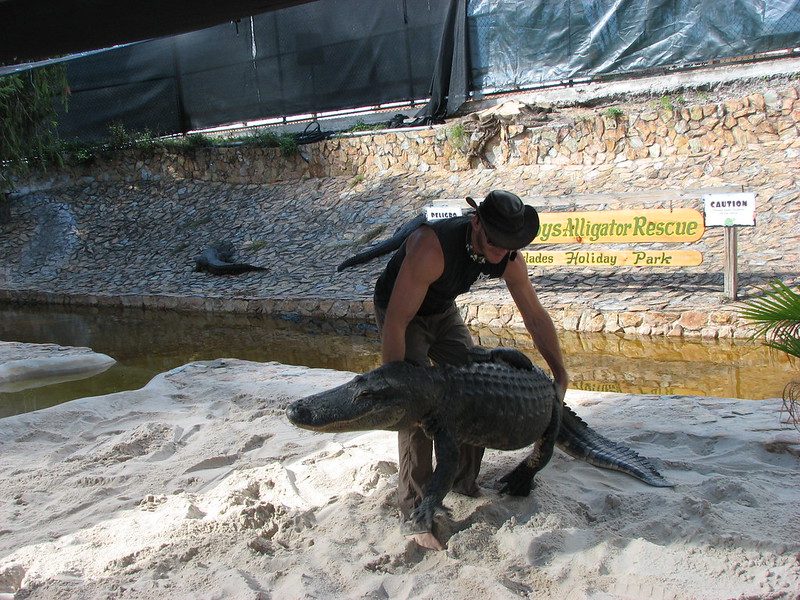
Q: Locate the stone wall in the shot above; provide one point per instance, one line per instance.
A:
(569, 137)
(142, 208)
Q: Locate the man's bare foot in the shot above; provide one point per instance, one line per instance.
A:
(427, 541)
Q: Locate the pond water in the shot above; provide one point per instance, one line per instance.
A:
(145, 343)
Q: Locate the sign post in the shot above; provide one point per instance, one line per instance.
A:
(730, 211)
(730, 280)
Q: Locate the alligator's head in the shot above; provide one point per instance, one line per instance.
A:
(378, 399)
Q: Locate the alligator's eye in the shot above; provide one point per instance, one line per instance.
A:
(362, 396)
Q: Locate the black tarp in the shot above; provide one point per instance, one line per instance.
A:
(450, 84)
(134, 86)
(323, 56)
(33, 30)
(337, 54)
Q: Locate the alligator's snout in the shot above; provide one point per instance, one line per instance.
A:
(349, 407)
(299, 414)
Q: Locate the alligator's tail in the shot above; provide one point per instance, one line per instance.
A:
(580, 441)
(386, 246)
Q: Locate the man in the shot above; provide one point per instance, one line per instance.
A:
(418, 318)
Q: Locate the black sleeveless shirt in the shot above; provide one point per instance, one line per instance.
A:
(460, 270)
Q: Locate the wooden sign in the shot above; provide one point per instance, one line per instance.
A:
(632, 258)
(620, 226)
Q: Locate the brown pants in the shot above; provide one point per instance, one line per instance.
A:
(445, 339)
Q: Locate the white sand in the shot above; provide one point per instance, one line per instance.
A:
(196, 487)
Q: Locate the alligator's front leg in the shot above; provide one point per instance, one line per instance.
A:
(447, 456)
(519, 482)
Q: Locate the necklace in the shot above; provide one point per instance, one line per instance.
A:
(477, 258)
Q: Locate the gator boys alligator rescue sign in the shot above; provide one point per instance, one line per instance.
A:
(618, 226)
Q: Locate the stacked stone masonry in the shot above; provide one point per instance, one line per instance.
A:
(123, 231)
(667, 133)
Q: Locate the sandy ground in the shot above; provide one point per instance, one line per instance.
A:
(197, 487)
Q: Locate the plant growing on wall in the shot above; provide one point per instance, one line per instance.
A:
(270, 139)
(28, 124)
(777, 315)
(458, 136)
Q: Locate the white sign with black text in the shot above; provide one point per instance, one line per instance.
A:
(436, 213)
(727, 210)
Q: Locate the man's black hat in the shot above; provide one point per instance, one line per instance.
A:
(509, 223)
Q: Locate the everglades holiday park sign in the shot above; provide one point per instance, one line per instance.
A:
(635, 258)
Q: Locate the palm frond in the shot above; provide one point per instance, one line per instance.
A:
(788, 344)
(777, 315)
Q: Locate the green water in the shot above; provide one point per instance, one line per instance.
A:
(145, 343)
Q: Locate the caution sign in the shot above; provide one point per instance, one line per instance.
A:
(727, 210)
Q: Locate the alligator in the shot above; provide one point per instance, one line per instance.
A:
(498, 400)
(386, 246)
(218, 260)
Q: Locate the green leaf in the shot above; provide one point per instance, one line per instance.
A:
(27, 120)
(777, 315)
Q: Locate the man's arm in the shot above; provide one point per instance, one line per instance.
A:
(537, 321)
(423, 264)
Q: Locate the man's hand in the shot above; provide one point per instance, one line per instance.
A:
(537, 322)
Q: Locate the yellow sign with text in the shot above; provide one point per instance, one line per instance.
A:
(633, 258)
(619, 226)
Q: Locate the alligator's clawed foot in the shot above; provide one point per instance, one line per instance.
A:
(518, 482)
(414, 527)
(421, 520)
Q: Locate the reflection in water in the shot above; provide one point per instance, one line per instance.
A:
(146, 343)
(667, 366)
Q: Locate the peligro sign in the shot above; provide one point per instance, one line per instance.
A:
(619, 226)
